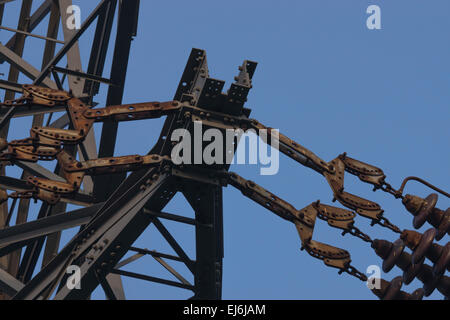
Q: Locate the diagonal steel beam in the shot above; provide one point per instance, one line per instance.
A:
(174, 244)
(173, 217)
(153, 279)
(57, 222)
(24, 111)
(100, 47)
(115, 283)
(11, 86)
(128, 12)
(73, 56)
(114, 216)
(82, 75)
(129, 260)
(69, 43)
(23, 66)
(35, 19)
(76, 85)
(17, 50)
(172, 271)
(9, 284)
(38, 170)
(19, 185)
(31, 35)
(2, 9)
(109, 292)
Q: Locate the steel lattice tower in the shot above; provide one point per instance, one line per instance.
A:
(118, 208)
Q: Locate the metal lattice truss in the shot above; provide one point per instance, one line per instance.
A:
(117, 209)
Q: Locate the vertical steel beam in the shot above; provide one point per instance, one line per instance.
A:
(52, 31)
(32, 252)
(206, 200)
(49, 52)
(23, 66)
(115, 283)
(100, 47)
(126, 30)
(76, 84)
(18, 46)
(35, 19)
(13, 76)
(9, 284)
(62, 52)
(2, 10)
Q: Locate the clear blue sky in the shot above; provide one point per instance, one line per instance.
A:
(324, 80)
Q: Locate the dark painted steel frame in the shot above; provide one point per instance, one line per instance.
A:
(207, 269)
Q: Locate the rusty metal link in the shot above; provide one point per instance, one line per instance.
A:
(28, 150)
(340, 218)
(114, 164)
(129, 112)
(21, 195)
(292, 149)
(46, 193)
(46, 142)
(304, 221)
(336, 182)
(384, 222)
(55, 137)
(36, 95)
(334, 173)
(386, 187)
(363, 207)
(354, 231)
(37, 194)
(365, 172)
(265, 198)
(74, 171)
(22, 101)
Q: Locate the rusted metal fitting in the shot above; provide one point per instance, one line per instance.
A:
(413, 203)
(425, 210)
(382, 248)
(411, 238)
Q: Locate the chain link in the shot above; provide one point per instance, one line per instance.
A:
(354, 231)
(384, 222)
(386, 187)
(354, 272)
